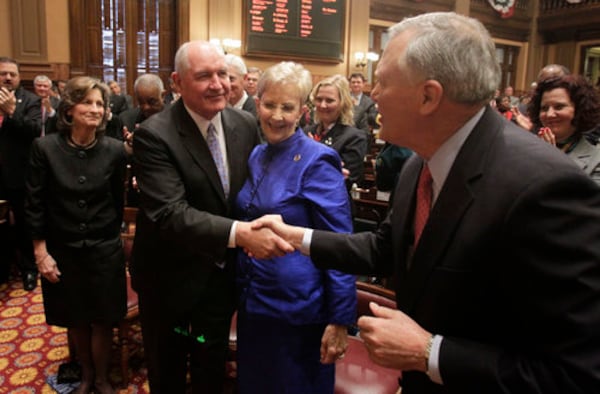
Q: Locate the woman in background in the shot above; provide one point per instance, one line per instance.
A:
(334, 125)
(564, 110)
(74, 210)
(292, 316)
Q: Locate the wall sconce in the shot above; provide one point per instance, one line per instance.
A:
(362, 59)
(227, 44)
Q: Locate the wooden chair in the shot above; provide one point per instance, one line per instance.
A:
(356, 373)
(132, 315)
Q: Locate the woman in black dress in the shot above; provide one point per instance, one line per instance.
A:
(74, 210)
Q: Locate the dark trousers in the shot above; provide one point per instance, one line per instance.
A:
(19, 238)
(200, 336)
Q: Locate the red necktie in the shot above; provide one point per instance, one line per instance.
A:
(424, 194)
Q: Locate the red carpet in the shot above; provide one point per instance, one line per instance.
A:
(31, 351)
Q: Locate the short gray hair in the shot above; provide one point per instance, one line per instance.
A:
(286, 73)
(182, 56)
(455, 50)
(235, 64)
(42, 78)
(151, 80)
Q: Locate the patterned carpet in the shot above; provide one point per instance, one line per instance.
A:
(31, 351)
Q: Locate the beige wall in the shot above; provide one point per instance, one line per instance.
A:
(57, 26)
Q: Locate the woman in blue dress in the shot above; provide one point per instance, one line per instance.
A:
(292, 317)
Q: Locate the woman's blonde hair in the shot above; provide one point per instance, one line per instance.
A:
(346, 106)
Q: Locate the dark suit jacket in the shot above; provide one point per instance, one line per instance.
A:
(351, 144)
(184, 221)
(365, 113)
(16, 135)
(507, 268)
(131, 117)
(250, 106)
(117, 104)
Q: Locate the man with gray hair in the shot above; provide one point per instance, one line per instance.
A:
(20, 124)
(238, 98)
(191, 160)
(493, 235)
(42, 86)
(149, 91)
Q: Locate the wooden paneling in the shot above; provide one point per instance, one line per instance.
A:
(28, 28)
(561, 21)
(395, 11)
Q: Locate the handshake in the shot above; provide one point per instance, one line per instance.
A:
(268, 237)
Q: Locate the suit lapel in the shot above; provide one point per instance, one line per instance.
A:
(456, 196)
(197, 147)
(234, 159)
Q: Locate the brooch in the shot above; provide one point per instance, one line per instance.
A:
(297, 157)
(328, 141)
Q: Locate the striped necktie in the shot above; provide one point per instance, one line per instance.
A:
(215, 151)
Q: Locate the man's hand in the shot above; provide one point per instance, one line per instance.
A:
(291, 234)
(128, 140)
(334, 343)
(261, 242)
(8, 101)
(394, 340)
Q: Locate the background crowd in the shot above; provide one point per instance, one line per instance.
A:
(511, 184)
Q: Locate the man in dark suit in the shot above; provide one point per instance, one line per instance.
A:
(365, 112)
(42, 86)
(149, 92)
(238, 97)
(119, 101)
(191, 161)
(500, 292)
(20, 123)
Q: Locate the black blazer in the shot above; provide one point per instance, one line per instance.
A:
(507, 268)
(250, 106)
(16, 135)
(351, 144)
(184, 220)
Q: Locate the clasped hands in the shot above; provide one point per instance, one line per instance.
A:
(392, 338)
(8, 101)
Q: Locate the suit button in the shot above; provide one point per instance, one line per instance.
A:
(82, 227)
(82, 179)
(81, 154)
(81, 203)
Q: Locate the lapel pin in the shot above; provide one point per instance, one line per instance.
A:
(297, 157)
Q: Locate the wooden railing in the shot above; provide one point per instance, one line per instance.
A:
(554, 6)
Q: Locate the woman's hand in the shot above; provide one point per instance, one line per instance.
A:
(333, 343)
(547, 135)
(48, 268)
(521, 119)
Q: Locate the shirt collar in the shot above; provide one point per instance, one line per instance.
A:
(443, 158)
(202, 123)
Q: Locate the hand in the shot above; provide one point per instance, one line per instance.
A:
(345, 172)
(521, 119)
(394, 340)
(8, 101)
(261, 242)
(334, 343)
(291, 234)
(128, 140)
(46, 104)
(547, 135)
(48, 268)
